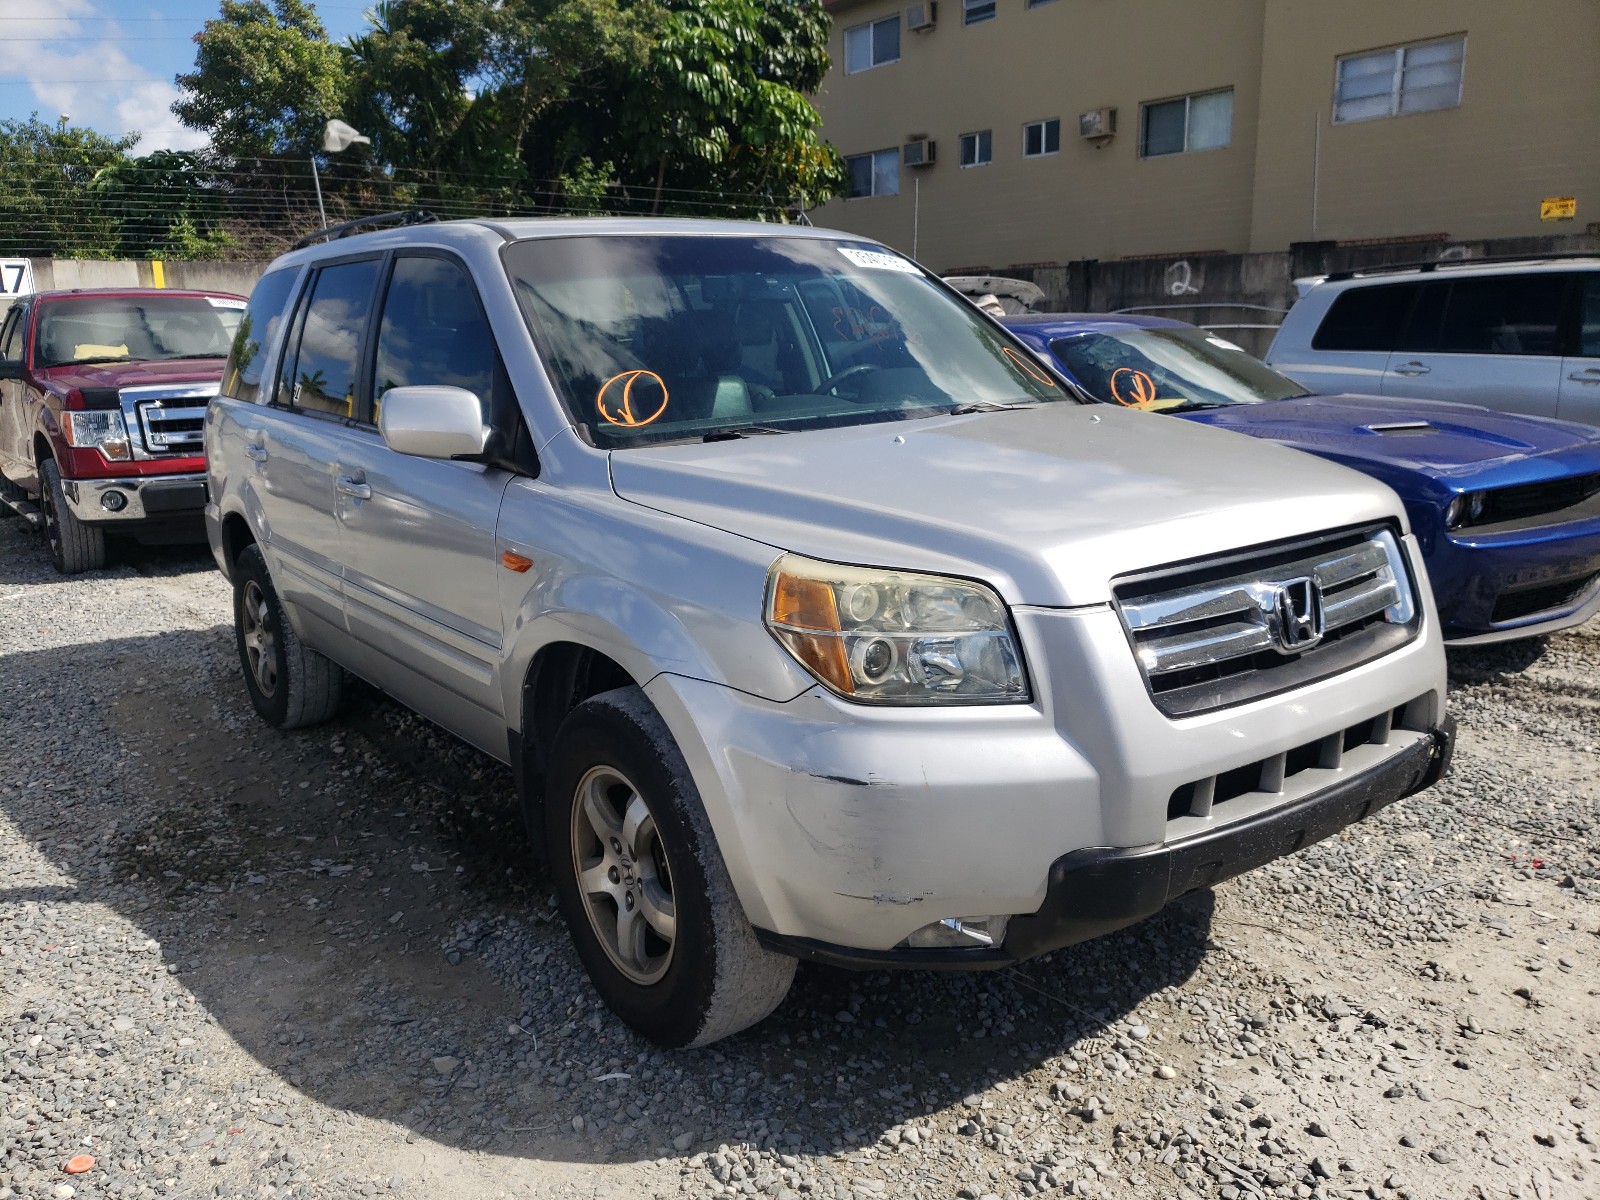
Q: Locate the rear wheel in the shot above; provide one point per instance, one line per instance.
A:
(74, 546)
(290, 684)
(642, 884)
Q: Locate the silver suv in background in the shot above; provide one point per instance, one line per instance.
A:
(816, 618)
(1520, 336)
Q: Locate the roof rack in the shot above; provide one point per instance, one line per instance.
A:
(1435, 264)
(391, 220)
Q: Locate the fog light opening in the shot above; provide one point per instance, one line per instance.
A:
(960, 933)
(113, 501)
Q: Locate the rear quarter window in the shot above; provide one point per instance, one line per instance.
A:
(1365, 318)
(263, 316)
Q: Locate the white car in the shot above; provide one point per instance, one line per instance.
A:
(1520, 335)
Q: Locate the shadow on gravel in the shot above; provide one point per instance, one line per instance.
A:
(356, 908)
(1492, 663)
(164, 559)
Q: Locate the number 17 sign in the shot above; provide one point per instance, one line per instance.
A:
(16, 277)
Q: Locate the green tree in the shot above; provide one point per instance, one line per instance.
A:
(47, 208)
(265, 79)
(715, 118)
(456, 89)
(166, 204)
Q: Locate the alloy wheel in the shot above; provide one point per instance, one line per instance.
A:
(623, 879)
(260, 643)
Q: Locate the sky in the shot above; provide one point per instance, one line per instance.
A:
(108, 64)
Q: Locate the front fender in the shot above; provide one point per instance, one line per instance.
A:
(654, 592)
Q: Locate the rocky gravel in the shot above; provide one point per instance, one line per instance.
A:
(248, 964)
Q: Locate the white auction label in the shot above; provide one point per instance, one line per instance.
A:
(878, 261)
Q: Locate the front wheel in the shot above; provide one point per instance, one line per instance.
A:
(74, 546)
(642, 884)
(290, 684)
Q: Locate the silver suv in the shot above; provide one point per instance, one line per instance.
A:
(815, 616)
(1519, 335)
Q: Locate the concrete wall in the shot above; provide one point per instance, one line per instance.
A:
(50, 274)
(1526, 128)
(1053, 61)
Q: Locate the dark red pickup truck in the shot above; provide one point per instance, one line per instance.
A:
(103, 395)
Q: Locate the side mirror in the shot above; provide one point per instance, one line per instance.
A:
(432, 422)
(10, 368)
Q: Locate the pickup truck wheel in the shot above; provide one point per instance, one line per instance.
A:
(290, 684)
(74, 546)
(642, 884)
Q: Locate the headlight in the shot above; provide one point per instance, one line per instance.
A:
(893, 637)
(1465, 509)
(99, 429)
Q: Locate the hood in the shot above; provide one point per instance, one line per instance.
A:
(134, 374)
(1457, 443)
(1048, 504)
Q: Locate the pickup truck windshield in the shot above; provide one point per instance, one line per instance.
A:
(134, 329)
(1169, 370)
(680, 337)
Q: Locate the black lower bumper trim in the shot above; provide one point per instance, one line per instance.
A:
(1102, 889)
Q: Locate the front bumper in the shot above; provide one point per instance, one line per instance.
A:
(136, 498)
(1500, 586)
(1098, 890)
(848, 826)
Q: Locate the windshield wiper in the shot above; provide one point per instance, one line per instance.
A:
(89, 362)
(734, 432)
(978, 406)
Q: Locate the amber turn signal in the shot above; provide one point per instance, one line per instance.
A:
(512, 561)
(805, 618)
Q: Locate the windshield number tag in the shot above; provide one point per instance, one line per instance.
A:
(876, 260)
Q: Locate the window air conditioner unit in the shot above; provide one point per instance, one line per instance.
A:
(918, 153)
(922, 16)
(1098, 124)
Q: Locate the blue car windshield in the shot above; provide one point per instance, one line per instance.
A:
(1169, 370)
(687, 337)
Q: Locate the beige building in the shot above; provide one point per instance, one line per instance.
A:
(1239, 125)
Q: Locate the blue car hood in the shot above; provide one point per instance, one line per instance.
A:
(1459, 443)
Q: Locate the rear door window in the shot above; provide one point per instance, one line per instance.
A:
(1502, 314)
(1589, 318)
(323, 373)
(1366, 318)
(241, 378)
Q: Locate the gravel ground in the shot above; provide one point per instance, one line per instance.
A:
(240, 963)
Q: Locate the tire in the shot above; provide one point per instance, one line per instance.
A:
(711, 978)
(290, 684)
(74, 546)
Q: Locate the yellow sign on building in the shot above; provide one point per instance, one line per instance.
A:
(1558, 208)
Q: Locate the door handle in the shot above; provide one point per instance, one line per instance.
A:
(255, 453)
(353, 488)
(1412, 368)
(1592, 375)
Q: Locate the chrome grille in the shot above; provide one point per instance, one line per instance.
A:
(169, 418)
(1217, 634)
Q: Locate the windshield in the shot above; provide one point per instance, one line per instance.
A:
(651, 338)
(135, 328)
(1169, 370)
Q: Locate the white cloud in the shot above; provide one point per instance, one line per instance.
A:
(78, 69)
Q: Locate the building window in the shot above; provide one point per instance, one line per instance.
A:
(1039, 3)
(973, 11)
(1420, 77)
(1203, 121)
(1041, 137)
(977, 149)
(875, 174)
(872, 45)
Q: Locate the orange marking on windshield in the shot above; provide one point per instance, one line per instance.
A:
(1031, 370)
(623, 413)
(1140, 388)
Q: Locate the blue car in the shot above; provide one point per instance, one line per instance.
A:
(1506, 508)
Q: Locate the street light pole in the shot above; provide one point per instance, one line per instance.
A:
(336, 136)
(316, 182)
